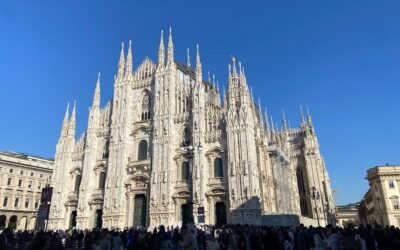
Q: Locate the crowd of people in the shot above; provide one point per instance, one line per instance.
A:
(228, 237)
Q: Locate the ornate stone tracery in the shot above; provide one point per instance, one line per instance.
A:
(236, 158)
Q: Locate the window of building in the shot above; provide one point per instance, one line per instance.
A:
(9, 182)
(16, 202)
(102, 180)
(146, 105)
(36, 204)
(11, 170)
(5, 202)
(27, 203)
(391, 184)
(41, 175)
(187, 138)
(77, 182)
(30, 184)
(39, 186)
(142, 152)
(218, 168)
(185, 171)
(19, 183)
(105, 150)
(395, 203)
(32, 174)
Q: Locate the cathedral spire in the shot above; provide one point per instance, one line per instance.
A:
(272, 130)
(260, 114)
(170, 53)
(303, 122)
(199, 77)
(121, 64)
(128, 67)
(284, 120)
(64, 128)
(188, 59)
(161, 50)
(73, 115)
(309, 120)
(234, 73)
(66, 116)
(96, 96)
(267, 130)
(72, 122)
(213, 82)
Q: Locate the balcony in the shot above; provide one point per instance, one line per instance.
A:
(138, 167)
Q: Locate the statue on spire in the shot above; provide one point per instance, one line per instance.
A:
(121, 64)
(303, 122)
(284, 120)
(96, 96)
(129, 59)
(170, 53)
(188, 59)
(199, 77)
(161, 50)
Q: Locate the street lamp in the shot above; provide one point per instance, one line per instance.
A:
(315, 197)
(189, 151)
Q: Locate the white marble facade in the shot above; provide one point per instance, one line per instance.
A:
(166, 137)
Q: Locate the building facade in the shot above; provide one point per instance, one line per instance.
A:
(166, 140)
(22, 178)
(347, 214)
(383, 197)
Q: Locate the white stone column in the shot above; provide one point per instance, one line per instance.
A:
(130, 211)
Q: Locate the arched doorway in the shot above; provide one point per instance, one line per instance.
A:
(22, 223)
(32, 224)
(3, 220)
(139, 210)
(12, 223)
(98, 218)
(72, 222)
(185, 213)
(220, 213)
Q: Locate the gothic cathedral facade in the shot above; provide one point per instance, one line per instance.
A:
(166, 142)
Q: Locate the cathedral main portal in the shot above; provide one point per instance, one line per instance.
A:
(139, 211)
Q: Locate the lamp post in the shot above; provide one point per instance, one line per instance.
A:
(315, 197)
(189, 152)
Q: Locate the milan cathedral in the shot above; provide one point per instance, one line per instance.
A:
(166, 145)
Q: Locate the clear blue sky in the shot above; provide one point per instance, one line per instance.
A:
(342, 58)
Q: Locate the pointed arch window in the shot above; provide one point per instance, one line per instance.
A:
(142, 150)
(102, 180)
(185, 171)
(186, 140)
(105, 150)
(78, 179)
(146, 105)
(218, 168)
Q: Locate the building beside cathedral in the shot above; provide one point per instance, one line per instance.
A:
(22, 178)
(166, 139)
